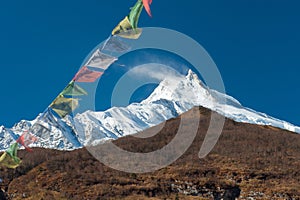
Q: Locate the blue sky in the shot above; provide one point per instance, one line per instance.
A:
(255, 44)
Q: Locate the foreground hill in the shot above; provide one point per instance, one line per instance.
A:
(261, 162)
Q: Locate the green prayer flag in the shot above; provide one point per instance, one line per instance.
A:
(73, 90)
(135, 13)
(10, 158)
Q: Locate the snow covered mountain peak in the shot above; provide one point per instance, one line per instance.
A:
(188, 89)
(174, 95)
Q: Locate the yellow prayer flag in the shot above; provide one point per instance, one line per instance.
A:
(125, 30)
(7, 161)
(64, 106)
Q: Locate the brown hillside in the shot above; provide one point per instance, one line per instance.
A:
(248, 161)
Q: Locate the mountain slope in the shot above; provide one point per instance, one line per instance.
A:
(248, 162)
(173, 96)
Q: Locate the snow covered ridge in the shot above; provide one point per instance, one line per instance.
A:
(172, 97)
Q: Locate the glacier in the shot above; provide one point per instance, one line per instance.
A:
(172, 97)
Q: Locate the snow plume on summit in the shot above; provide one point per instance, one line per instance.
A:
(155, 71)
(174, 95)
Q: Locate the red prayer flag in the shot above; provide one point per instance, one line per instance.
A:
(147, 4)
(26, 139)
(86, 75)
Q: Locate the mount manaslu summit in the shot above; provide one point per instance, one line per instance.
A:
(172, 97)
